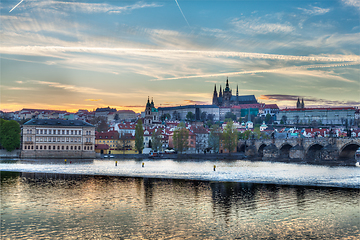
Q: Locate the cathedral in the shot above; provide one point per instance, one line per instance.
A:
(227, 99)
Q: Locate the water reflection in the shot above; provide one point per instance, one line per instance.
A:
(37, 205)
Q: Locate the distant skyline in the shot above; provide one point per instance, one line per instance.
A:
(70, 55)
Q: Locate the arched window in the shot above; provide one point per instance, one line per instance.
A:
(90, 147)
(45, 147)
(67, 147)
(24, 147)
(62, 147)
(53, 147)
(58, 148)
(32, 147)
(84, 147)
(74, 147)
(71, 148)
(40, 147)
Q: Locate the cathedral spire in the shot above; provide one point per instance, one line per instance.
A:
(215, 92)
(220, 92)
(237, 90)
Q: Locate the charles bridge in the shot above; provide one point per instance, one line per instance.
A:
(302, 149)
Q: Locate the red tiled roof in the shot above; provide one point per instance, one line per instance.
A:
(101, 146)
(328, 109)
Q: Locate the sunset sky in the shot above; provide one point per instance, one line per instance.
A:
(69, 55)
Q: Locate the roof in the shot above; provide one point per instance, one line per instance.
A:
(245, 99)
(186, 106)
(107, 135)
(101, 146)
(318, 109)
(58, 122)
(271, 106)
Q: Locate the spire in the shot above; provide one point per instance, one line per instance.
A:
(237, 90)
(227, 82)
(298, 104)
(148, 103)
(220, 92)
(302, 103)
(215, 92)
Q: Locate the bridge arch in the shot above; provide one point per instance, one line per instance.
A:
(284, 150)
(348, 150)
(261, 150)
(314, 152)
(241, 148)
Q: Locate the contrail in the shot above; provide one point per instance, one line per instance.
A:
(16, 6)
(180, 11)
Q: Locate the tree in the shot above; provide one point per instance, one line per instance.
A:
(156, 140)
(180, 138)
(284, 119)
(190, 116)
(203, 116)
(100, 124)
(230, 115)
(268, 118)
(214, 138)
(9, 134)
(176, 115)
(116, 117)
(229, 137)
(139, 136)
(165, 116)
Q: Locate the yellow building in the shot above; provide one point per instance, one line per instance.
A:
(111, 143)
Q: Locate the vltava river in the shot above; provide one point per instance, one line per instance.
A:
(38, 205)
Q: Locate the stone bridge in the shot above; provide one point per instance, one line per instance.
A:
(309, 149)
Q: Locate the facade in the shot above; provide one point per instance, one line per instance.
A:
(328, 116)
(151, 114)
(180, 112)
(55, 138)
(227, 99)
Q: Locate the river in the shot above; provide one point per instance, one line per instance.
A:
(178, 199)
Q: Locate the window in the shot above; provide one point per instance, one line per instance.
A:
(71, 148)
(71, 139)
(63, 132)
(74, 147)
(79, 132)
(84, 147)
(32, 147)
(27, 131)
(67, 147)
(58, 132)
(72, 132)
(54, 139)
(30, 131)
(45, 147)
(75, 132)
(45, 131)
(67, 139)
(37, 147)
(90, 147)
(58, 148)
(24, 147)
(41, 131)
(53, 147)
(67, 132)
(62, 147)
(37, 131)
(54, 131)
(40, 147)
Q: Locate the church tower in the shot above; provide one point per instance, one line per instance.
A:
(302, 103)
(298, 104)
(148, 115)
(227, 94)
(220, 92)
(215, 96)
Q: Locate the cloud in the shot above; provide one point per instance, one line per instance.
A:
(315, 10)
(256, 26)
(93, 100)
(63, 6)
(314, 102)
(192, 102)
(352, 3)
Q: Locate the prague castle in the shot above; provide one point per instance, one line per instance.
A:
(227, 99)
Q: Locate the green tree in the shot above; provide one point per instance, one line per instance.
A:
(139, 136)
(214, 137)
(230, 115)
(268, 118)
(229, 137)
(9, 134)
(180, 138)
(165, 116)
(245, 135)
(190, 116)
(156, 140)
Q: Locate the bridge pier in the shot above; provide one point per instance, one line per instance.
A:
(270, 152)
(297, 153)
(329, 153)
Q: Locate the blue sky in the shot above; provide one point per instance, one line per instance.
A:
(87, 54)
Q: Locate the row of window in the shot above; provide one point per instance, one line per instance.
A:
(44, 147)
(58, 131)
(54, 139)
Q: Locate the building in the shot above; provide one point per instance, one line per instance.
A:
(180, 112)
(320, 116)
(104, 112)
(227, 99)
(56, 138)
(151, 114)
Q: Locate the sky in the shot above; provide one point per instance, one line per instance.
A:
(70, 55)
